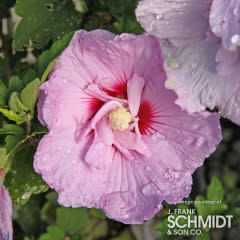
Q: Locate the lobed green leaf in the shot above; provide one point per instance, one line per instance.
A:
(29, 94)
(72, 220)
(42, 21)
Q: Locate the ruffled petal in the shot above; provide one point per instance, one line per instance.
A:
(190, 138)
(61, 161)
(104, 131)
(65, 105)
(132, 141)
(72, 80)
(228, 62)
(224, 21)
(136, 189)
(97, 154)
(181, 22)
(192, 73)
(6, 230)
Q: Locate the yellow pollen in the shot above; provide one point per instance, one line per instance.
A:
(119, 118)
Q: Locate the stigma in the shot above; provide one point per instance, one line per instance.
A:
(120, 118)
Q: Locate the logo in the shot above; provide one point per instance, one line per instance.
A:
(187, 222)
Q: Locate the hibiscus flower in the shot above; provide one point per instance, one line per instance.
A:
(117, 139)
(204, 67)
(5, 212)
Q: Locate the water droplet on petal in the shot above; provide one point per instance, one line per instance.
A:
(189, 140)
(235, 40)
(148, 168)
(174, 63)
(193, 64)
(166, 175)
(148, 190)
(176, 175)
(235, 11)
(200, 141)
(217, 29)
(69, 151)
(159, 16)
(126, 215)
(196, 126)
(45, 158)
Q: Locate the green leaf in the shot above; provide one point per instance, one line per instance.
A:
(15, 84)
(205, 209)
(215, 191)
(202, 208)
(3, 94)
(96, 5)
(128, 25)
(29, 76)
(15, 147)
(12, 141)
(22, 181)
(96, 229)
(48, 58)
(94, 23)
(39, 129)
(28, 217)
(48, 212)
(233, 198)
(20, 68)
(97, 213)
(16, 104)
(3, 158)
(235, 212)
(204, 236)
(4, 68)
(215, 194)
(54, 233)
(72, 220)
(42, 20)
(29, 94)
(11, 115)
(123, 8)
(12, 129)
(52, 196)
(48, 70)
